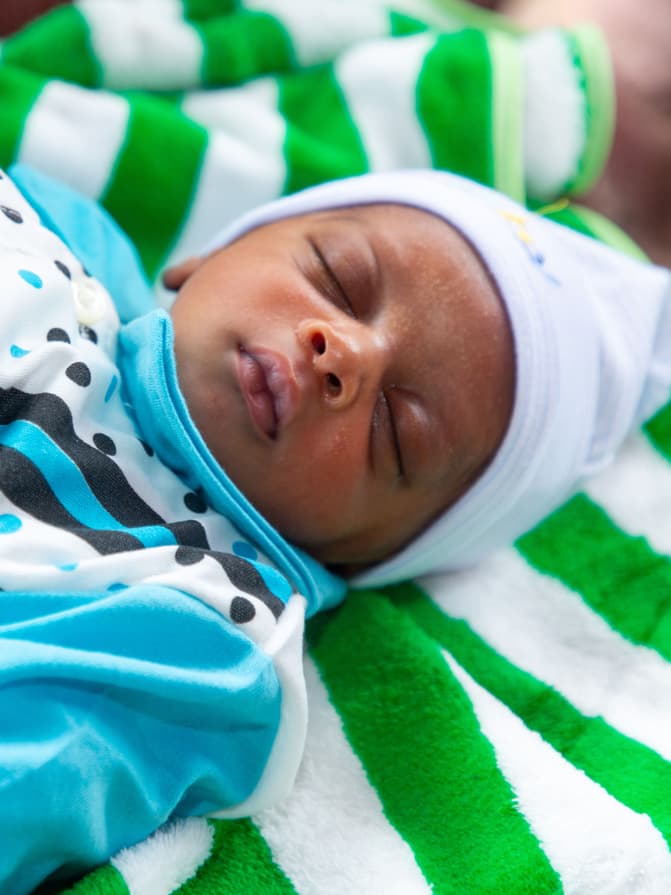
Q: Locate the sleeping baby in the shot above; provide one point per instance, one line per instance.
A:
(374, 379)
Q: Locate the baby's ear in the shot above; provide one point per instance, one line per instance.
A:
(175, 277)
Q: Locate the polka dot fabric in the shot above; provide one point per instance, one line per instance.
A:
(93, 489)
(97, 529)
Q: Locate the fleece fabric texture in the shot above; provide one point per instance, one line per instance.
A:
(505, 729)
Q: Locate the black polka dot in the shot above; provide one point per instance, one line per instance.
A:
(87, 272)
(148, 449)
(12, 214)
(188, 556)
(87, 333)
(64, 269)
(104, 443)
(79, 373)
(242, 610)
(195, 502)
(57, 335)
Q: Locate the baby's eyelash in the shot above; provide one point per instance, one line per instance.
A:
(335, 283)
(394, 436)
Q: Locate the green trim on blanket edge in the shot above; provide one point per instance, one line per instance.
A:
(423, 749)
(618, 575)
(630, 771)
(584, 220)
(240, 861)
(507, 115)
(606, 231)
(594, 60)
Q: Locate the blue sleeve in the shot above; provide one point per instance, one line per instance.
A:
(93, 236)
(119, 710)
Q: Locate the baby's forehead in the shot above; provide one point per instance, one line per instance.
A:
(385, 217)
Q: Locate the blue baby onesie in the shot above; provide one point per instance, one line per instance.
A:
(150, 620)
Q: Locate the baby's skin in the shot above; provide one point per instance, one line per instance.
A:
(351, 370)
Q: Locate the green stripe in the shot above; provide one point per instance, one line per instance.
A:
(401, 25)
(106, 880)
(208, 9)
(56, 45)
(18, 93)
(242, 46)
(658, 430)
(321, 142)
(241, 861)
(454, 104)
(618, 575)
(161, 158)
(632, 773)
(415, 731)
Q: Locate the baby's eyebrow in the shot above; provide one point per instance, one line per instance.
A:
(345, 215)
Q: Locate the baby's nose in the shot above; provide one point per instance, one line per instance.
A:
(342, 359)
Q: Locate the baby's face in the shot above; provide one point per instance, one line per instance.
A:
(352, 371)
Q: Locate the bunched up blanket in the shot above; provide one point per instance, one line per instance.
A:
(504, 729)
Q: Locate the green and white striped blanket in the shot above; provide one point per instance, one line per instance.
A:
(505, 730)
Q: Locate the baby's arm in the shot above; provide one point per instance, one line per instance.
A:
(120, 710)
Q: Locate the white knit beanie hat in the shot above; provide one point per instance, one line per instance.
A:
(592, 336)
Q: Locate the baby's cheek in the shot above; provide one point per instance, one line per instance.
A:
(315, 501)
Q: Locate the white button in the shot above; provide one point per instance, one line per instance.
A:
(92, 300)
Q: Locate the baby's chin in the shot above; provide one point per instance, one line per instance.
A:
(352, 557)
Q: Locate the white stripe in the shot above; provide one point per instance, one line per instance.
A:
(167, 859)
(544, 628)
(554, 102)
(249, 112)
(321, 30)
(243, 165)
(597, 845)
(635, 491)
(75, 135)
(144, 46)
(331, 836)
(379, 81)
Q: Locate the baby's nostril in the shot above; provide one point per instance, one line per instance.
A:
(333, 385)
(318, 343)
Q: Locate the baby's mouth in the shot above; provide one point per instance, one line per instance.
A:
(268, 387)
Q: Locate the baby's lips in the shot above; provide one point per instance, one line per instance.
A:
(269, 387)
